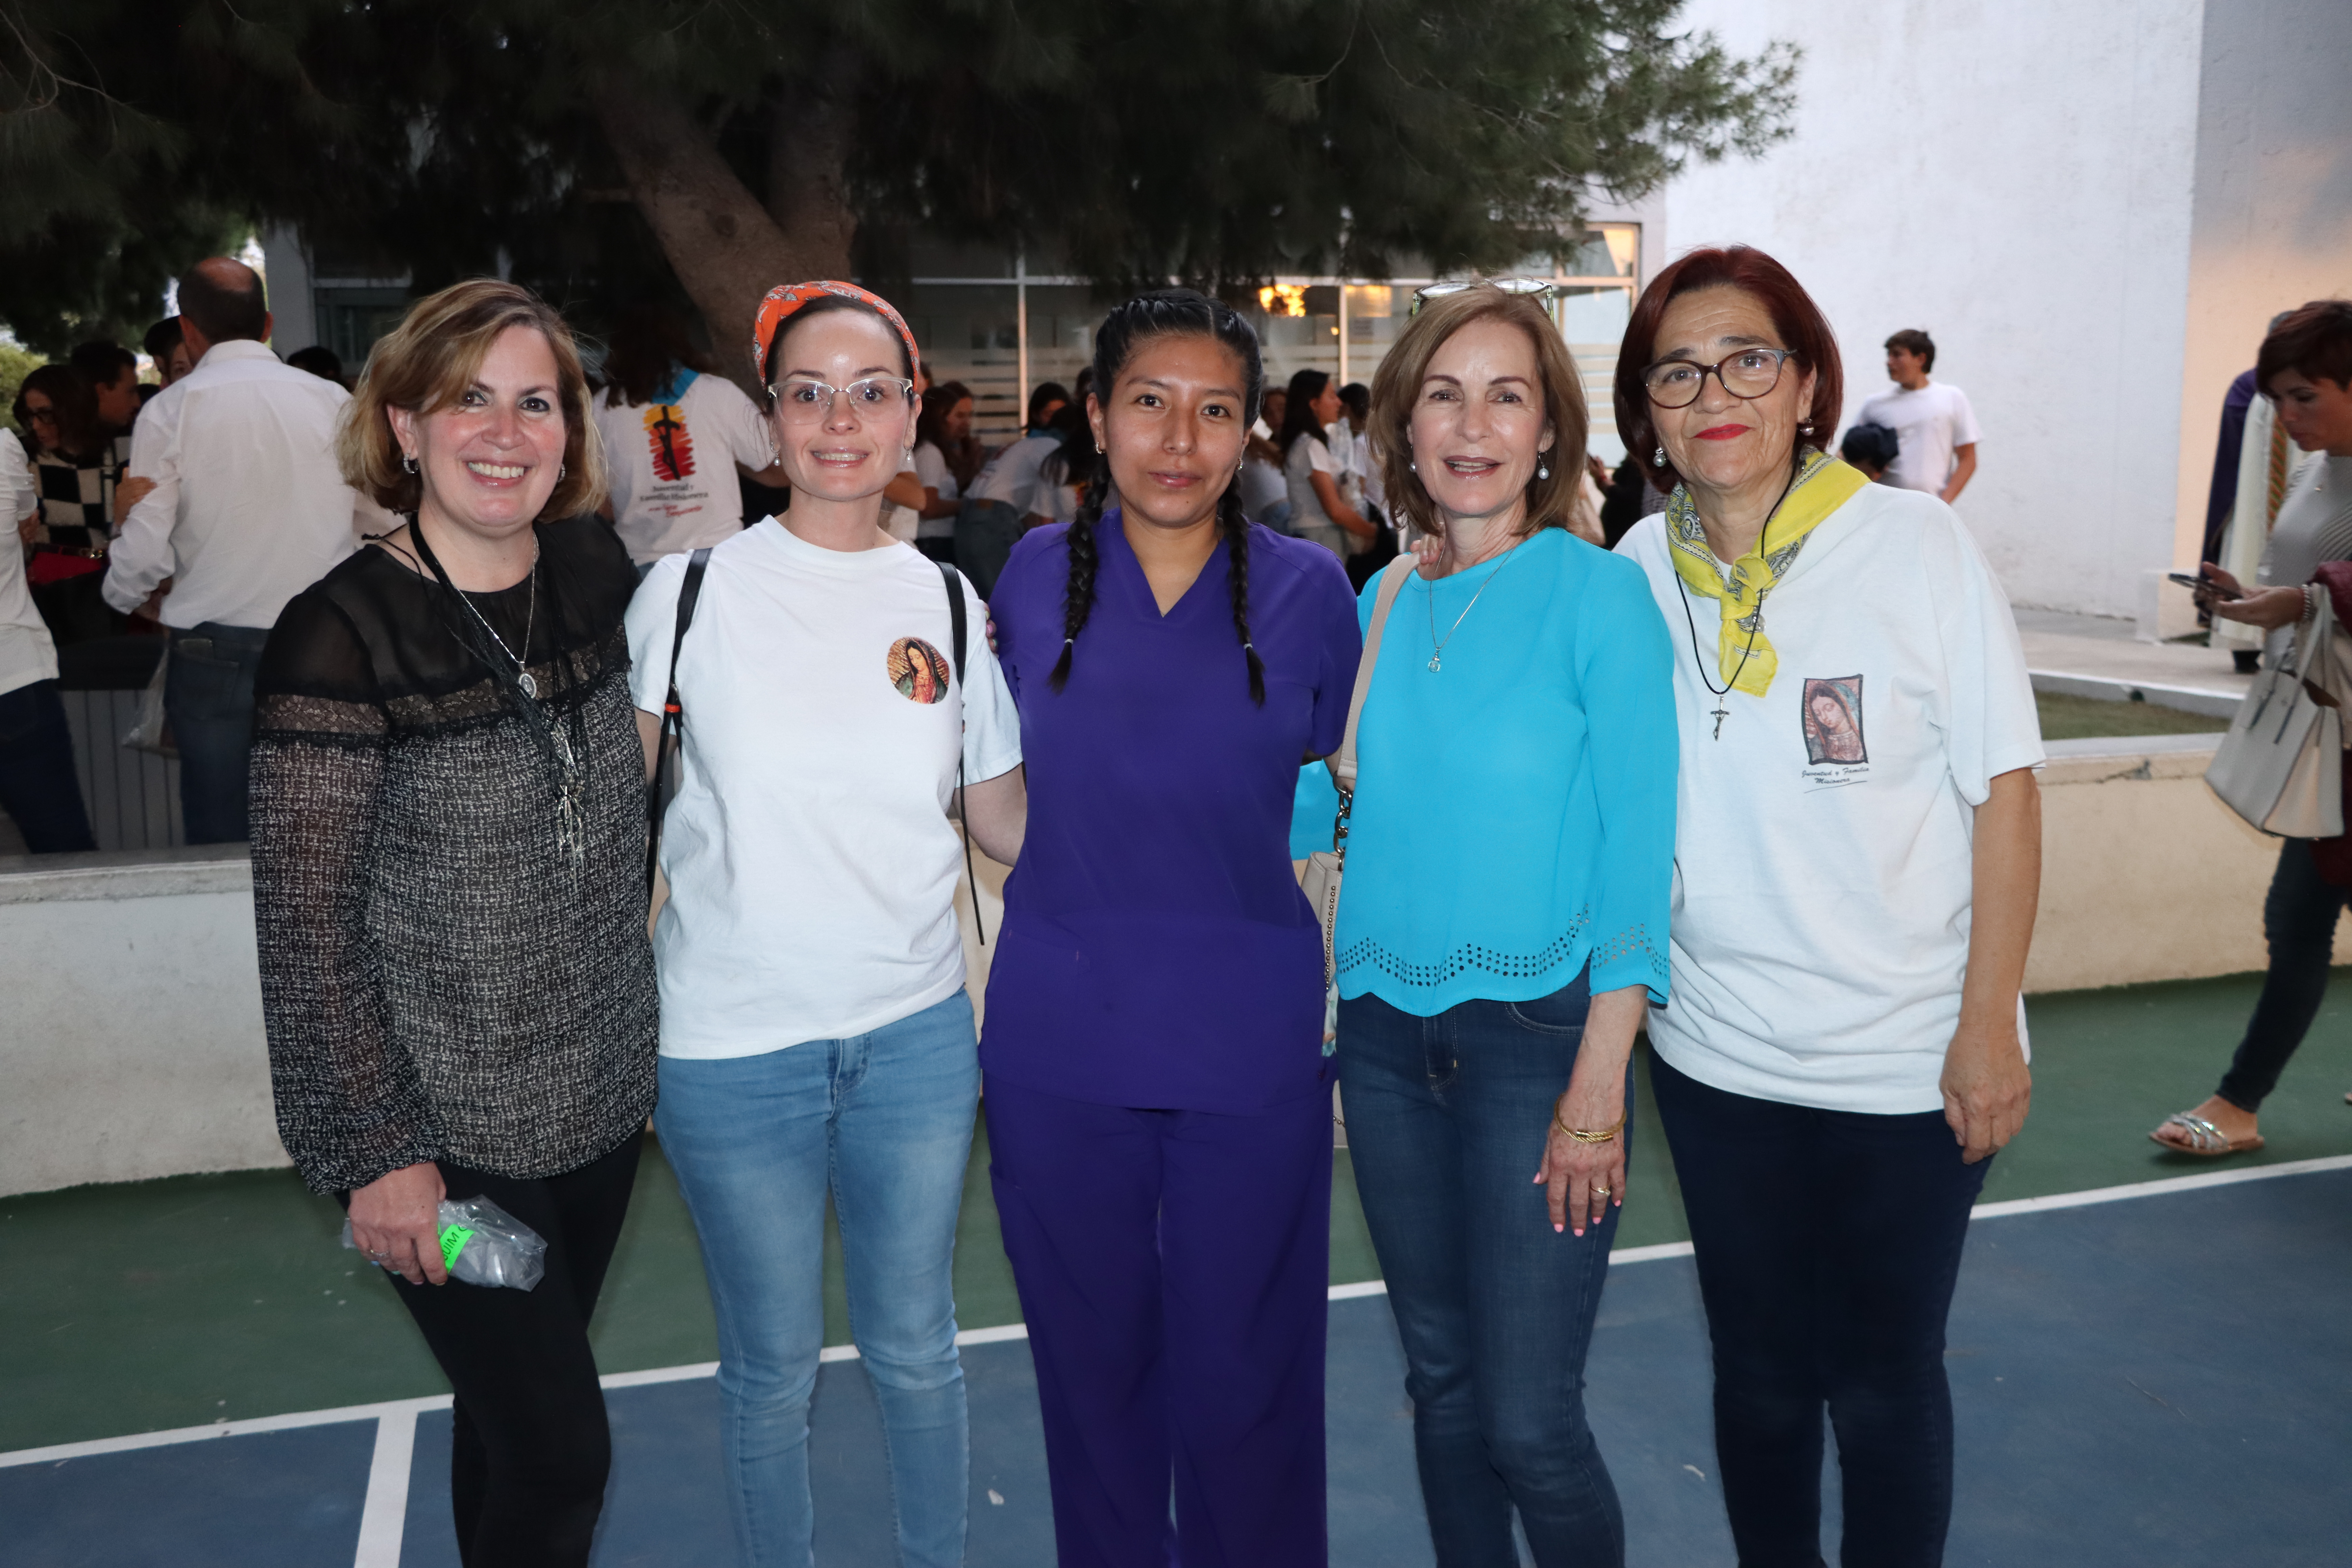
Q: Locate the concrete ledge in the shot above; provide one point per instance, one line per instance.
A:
(125, 874)
(2146, 875)
(2212, 701)
(133, 1044)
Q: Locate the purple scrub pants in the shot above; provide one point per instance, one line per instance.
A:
(1174, 1269)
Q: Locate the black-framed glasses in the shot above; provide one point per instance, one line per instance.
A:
(1749, 373)
(1538, 287)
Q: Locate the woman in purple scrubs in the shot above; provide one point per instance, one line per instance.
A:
(1157, 1096)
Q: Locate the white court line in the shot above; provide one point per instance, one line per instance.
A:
(411, 1409)
(384, 1518)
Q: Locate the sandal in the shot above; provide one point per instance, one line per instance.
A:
(2205, 1139)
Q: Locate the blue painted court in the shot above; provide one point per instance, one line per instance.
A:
(2156, 1373)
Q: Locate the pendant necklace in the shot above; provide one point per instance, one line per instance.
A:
(1722, 709)
(530, 619)
(1438, 645)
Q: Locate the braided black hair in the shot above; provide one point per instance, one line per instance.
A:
(1165, 313)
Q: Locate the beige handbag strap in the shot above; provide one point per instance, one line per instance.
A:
(1342, 763)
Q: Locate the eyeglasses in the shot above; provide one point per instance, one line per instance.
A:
(1538, 287)
(1749, 373)
(42, 412)
(804, 398)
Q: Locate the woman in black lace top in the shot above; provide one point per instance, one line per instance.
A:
(449, 840)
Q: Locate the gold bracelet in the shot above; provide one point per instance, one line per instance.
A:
(1582, 1136)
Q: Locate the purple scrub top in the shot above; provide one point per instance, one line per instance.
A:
(1156, 950)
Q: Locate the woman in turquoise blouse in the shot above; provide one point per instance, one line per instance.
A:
(1503, 924)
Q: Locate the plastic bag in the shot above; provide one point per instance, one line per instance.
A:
(484, 1244)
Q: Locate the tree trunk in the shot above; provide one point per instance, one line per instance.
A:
(809, 131)
(724, 246)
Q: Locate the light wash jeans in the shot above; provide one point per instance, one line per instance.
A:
(884, 1121)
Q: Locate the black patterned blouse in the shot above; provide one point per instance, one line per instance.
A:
(449, 888)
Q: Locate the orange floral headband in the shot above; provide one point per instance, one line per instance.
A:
(786, 298)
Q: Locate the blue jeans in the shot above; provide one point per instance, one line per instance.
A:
(38, 786)
(2299, 922)
(1828, 1244)
(883, 1120)
(1446, 1122)
(985, 534)
(208, 697)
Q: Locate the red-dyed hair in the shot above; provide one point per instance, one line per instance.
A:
(1800, 322)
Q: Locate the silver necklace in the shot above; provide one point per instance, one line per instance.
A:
(531, 619)
(1438, 644)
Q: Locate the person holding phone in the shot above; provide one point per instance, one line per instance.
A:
(2304, 368)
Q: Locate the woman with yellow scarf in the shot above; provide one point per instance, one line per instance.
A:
(1857, 855)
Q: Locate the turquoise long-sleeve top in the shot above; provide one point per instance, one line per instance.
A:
(1515, 808)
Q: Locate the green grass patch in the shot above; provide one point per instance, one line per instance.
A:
(2065, 717)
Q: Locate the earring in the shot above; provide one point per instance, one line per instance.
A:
(407, 463)
(1804, 429)
(1541, 471)
(561, 470)
(1410, 466)
(1659, 460)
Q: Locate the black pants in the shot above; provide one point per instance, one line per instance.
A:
(1828, 1244)
(38, 786)
(527, 1471)
(939, 547)
(2299, 923)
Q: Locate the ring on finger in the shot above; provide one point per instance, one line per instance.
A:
(1601, 1191)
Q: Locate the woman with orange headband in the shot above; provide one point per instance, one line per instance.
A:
(833, 689)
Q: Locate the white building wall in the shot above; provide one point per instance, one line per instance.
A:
(2014, 176)
(2273, 205)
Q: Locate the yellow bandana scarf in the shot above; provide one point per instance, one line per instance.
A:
(1744, 655)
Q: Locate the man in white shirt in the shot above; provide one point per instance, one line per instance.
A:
(1935, 428)
(244, 507)
(39, 787)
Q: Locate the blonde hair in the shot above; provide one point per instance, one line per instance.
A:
(1396, 388)
(425, 363)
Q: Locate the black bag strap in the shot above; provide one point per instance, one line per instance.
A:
(673, 717)
(959, 620)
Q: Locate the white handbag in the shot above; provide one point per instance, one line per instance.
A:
(1320, 877)
(2280, 766)
(152, 731)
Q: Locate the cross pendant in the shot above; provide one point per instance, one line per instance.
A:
(1720, 715)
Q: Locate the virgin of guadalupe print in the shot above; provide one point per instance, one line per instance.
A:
(1833, 718)
(918, 670)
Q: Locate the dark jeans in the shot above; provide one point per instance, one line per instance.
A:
(1446, 1122)
(2299, 923)
(531, 1448)
(985, 534)
(1828, 1244)
(208, 697)
(38, 786)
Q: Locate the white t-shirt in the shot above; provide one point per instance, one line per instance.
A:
(1262, 483)
(1307, 457)
(1015, 476)
(900, 521)
(811, 866)
(1927, 425)
(931, 468)
(1822, 870)
(673, 463)
(28, 654)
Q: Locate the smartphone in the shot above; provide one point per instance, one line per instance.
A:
(2201, 584)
